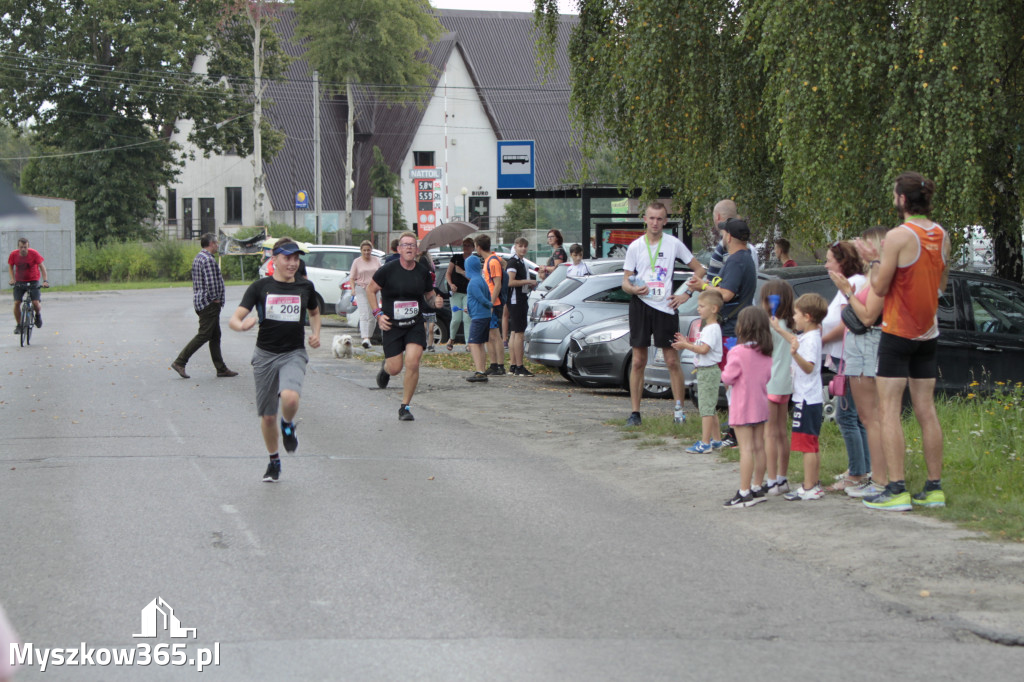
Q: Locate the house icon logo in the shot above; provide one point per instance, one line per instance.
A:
(158, 615)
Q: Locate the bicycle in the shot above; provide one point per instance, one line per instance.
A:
(28, 315)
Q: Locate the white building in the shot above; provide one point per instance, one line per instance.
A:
(487, 89)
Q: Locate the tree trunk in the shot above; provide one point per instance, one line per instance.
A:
(258, 183)
(346, 236)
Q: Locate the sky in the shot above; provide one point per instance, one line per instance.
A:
(564, 6)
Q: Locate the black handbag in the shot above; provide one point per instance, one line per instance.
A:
(853, 323)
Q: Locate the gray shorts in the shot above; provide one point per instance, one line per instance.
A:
(709, 379)
(276, 372)
(861, 353)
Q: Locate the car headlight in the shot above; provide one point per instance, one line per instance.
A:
(605, 336)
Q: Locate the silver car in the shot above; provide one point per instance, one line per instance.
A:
(598, 266)
(576, 302)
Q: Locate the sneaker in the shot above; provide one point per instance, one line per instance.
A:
(492, 371)
(523, 372)
(739, 501)
(17, 330)
(759, 493)
(404, 415)
(634, 419)
(929, 498)
(366, 343)
(728, 442)
(39, 320)
(781, 486)
(700, 447)
(801, 495)
(716, 445)
(383, 377)
(180, 369)
(476, 377)
(288, 436)
(273, 471)
(430, 349)
(866, 489)
(499, 371)
(889, 501)
(771, 489)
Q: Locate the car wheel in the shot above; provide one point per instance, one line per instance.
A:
(649, 390)
(828, 408)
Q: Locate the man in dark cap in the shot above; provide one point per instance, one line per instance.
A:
(738, 279)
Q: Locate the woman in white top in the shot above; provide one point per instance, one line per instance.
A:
(843, 261)
(359, 277)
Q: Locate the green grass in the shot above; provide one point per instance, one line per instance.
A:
(146, 284)
(983, 457)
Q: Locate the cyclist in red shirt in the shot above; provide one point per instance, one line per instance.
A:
(25, 266)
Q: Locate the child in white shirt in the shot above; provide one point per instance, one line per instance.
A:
(808, 312)
(578, 267)
(708, 349)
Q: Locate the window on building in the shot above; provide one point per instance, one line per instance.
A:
(234, 206)
(423, 158)
(172, 205)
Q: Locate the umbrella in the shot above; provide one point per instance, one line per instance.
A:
(447, 233)
(10, 203)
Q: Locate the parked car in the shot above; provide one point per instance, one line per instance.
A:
(600, 357)
(327, 267)
(981, 329)
(598, 266)
(576, 302)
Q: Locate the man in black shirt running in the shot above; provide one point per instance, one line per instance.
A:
(405, 286)
(279, 360)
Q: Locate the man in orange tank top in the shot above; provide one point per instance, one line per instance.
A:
(909, 275)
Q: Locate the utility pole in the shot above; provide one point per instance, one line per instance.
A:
(316, 154)
(255, 16)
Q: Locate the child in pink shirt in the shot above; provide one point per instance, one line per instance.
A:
(748, 369)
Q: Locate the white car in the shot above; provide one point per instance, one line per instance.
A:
(327, 267)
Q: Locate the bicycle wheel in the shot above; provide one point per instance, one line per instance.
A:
(27, 320)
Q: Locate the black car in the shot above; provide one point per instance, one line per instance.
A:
(981, 329)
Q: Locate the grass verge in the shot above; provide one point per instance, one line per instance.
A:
(983, 457)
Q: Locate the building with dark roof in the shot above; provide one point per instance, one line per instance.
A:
(486, 89)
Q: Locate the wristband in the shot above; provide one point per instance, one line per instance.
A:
(704, 286)
(378, 312)
(874, 263)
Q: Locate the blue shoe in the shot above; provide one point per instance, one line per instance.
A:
(716, 445)
(699, 448)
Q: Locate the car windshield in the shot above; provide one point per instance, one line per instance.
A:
(567, 286)
(554, 279)
(331, 260)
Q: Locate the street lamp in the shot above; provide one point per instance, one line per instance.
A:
(464, 192)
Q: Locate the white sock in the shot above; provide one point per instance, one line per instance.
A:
(744, 493)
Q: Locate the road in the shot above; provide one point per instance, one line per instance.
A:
(509, 533)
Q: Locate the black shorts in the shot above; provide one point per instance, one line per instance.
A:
(517, 317)
(899, 358)
(645, 322)
(395, 340)
(31, 287)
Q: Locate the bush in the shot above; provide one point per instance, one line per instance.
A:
(173, 259)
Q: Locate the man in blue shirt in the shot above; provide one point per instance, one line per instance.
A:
(207, 299)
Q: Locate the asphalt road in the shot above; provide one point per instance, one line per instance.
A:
(467, 545)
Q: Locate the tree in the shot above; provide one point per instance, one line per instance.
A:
(104, 82)
(804, 111)
(369, 42)
(384, 183)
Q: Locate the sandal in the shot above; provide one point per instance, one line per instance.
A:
(847, 482)
(450, 346)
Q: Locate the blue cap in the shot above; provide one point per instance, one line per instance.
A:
(287, 248)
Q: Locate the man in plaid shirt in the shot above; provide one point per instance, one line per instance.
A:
(208, 299)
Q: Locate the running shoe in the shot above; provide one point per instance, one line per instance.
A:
(404, 415)
(716, 445)
(288, 436)
(39, 320)
(867, 489)
(382, 376)
(273, 471)
(739, 501)
(430, 349)
(931, 499)
(366, 343)
(889, 501)
(802, 495)
(700, 447)
(634, 419)
(476, 377)
(523, 372)
(759, 493)
(781, 487)
(17, 330)
(496, 371)
(728, 441)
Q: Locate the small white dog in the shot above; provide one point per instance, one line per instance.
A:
(341, 346)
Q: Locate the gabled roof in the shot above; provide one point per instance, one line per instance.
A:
(499, 51)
